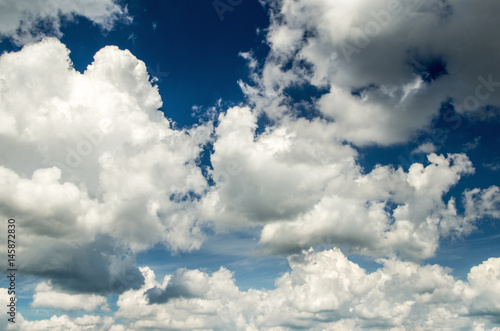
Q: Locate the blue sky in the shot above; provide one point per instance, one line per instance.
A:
(251, 165)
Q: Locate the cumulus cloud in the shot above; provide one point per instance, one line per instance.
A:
(299, 177)
(46, 296)
(478, 204)
(88, 158)
(323, 290)
(383, 69)
(404, 216)
(100, 266)
(183, 284)
(28, 21)
(94, 173)
(485, 282)
(274, 176)
(207, 306)
(64, 322)
(483, 202)
(305, 188)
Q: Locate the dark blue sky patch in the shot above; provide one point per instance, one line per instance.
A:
(182, 197)
(298, 65)
(301, 99)
(194, 54)
(370, 156)
(206, 164)
(263, 122)
(429, 68)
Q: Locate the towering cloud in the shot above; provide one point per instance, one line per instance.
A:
(90, 167)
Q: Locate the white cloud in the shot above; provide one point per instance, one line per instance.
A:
(46, 296)
(411, 228)
(63, 323)
(305, 188)
(208, 306)
(387, 66)
(28, 21)
(89, 156)
(274, 176)
(95, 173)
(479, 204)
(324, 290)
(485, 282)
(5, 300)
(483, 202)
(300, 180)
(425, 148)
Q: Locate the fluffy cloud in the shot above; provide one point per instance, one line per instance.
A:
(46, 296)
(100, 266)
(305, 188)
(322, 290)
(183, 284)
(26, 21)
(190, 299)
(385, 67)
(407, 216)
(94, 173)
(64, 322)
(425, 148)
(485, 281)
(483, 202)
(273, 176)
(88, 158)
